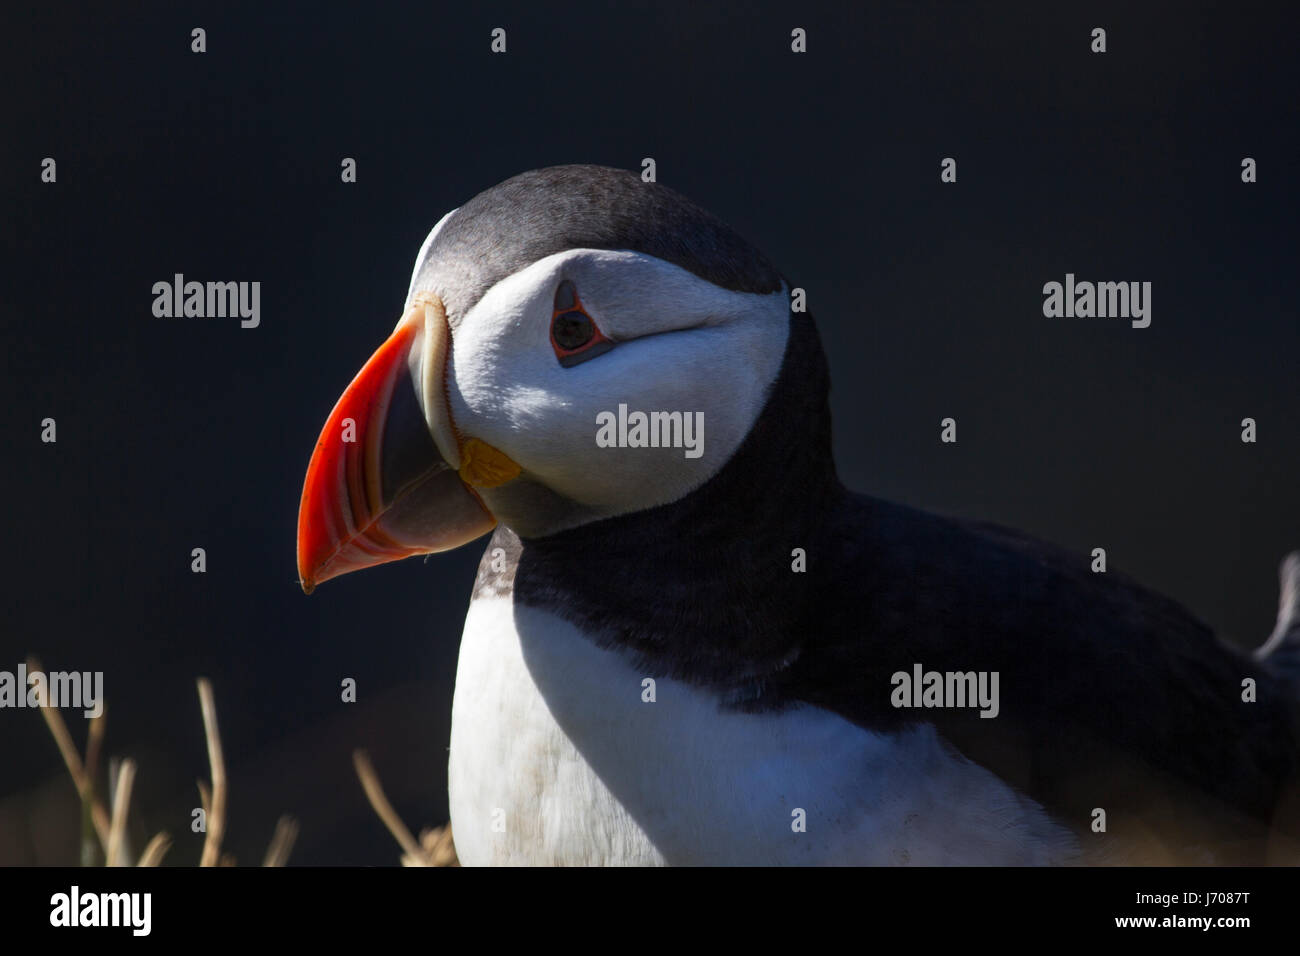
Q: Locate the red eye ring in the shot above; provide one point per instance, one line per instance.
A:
(575, 336)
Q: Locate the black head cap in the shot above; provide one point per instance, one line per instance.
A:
(545, 211)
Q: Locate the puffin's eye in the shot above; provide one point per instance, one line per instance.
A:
(572, 330)
(574, 334)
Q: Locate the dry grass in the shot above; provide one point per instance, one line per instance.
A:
(434, 848)
(104, 834)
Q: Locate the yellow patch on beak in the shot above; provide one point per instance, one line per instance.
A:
(482, 466)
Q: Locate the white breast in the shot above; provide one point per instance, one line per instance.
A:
(557, 759)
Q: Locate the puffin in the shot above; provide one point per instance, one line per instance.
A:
(689, 643)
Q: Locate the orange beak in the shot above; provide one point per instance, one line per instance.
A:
(384, 482)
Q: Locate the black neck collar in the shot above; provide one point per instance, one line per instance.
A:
(702, 589)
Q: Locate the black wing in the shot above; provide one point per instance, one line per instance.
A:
(1110, 696)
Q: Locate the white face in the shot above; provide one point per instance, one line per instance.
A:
(682, 345)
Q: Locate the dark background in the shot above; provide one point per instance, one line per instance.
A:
(183, 433)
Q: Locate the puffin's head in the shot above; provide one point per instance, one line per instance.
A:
(576, 344)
